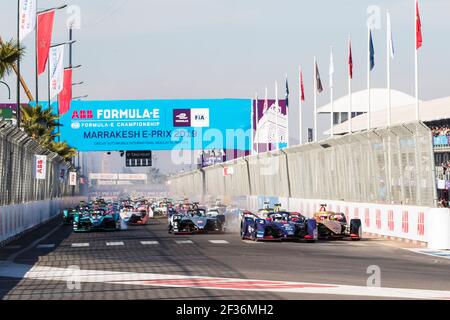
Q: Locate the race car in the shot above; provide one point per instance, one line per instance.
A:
(134, 216)
(197, 221)
(68, 215)
(96, 220)
(277, 226)
(332, 225)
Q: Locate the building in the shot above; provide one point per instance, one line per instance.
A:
(266, 128)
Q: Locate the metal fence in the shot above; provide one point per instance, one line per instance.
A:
(388, 166)
(17, 162)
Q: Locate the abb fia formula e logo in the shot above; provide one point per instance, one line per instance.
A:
(196, 118)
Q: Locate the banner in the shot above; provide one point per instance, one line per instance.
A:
(44, 33)
(56, 70)
(265, 125)
(40, 167)
(27, 21)
(131, 125)
(73, 178)
(65, 96)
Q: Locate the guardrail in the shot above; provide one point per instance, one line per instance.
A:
(17, 164)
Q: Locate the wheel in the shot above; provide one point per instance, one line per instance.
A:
(356, 229)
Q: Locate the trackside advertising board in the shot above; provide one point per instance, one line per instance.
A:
(158, 125)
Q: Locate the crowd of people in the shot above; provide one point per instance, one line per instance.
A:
(441, 131)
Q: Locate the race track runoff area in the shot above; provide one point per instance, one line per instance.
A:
(145, 262)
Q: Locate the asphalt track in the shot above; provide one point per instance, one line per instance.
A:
(53, 263)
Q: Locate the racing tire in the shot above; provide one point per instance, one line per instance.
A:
(356, 229)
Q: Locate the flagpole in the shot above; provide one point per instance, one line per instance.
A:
(257, 121)
(315, 99)
(266, 106)
(300, 118)
(277, 133)
(368, 79)
(331, 94)
(416, 60)
(18, 116)
(252, 128)
(350, 102)
(388, 57)
(36, 51)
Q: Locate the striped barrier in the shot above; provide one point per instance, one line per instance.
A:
(411, 223)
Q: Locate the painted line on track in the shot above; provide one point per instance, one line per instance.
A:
(432, 253)
(184, 242)
(219, 242)
(80, 245)
(11, 270)
(149, 243)
(115, 244)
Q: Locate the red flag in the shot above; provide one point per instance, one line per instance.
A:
(65, 97)
(44, 36)
(350, 59)
(302, 87)
(418, 27)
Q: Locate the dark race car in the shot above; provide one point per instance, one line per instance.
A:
(96, 220)
(197, 221)
(277, 226)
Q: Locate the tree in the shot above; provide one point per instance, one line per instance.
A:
(9, 54)
(40, 124)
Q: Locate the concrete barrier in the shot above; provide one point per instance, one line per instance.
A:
(17, 219)
(439, 226)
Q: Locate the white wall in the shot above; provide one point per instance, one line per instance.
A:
(16, 219)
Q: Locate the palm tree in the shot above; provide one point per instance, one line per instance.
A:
(9, 54)
(40, 124)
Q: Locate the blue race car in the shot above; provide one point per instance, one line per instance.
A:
(96, 220)
(277, 226)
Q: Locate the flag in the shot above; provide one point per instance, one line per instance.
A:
(302, 87)
(331, 70)
(371, 51)
(27, 18)
(45, 28)
(318, 81)
(391, 38)
(65, 97)
(56, 70)
(350, 59)
(287, 92)
(418, 27)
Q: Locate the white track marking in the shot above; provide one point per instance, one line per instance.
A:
(149, 243)
(432, 253)
(15, 255)
(184, 242)
(11, 270)
(115, 244)
(219, 242)
(80, 245)
(46, 246)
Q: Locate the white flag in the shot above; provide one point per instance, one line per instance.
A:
(27, 21)
(390, 37)
(331, 69)
(56, 70)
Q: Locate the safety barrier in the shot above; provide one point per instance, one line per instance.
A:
(17, 166)
(17, 219)
(385, 166)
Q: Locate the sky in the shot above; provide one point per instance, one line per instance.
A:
(134, 49)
